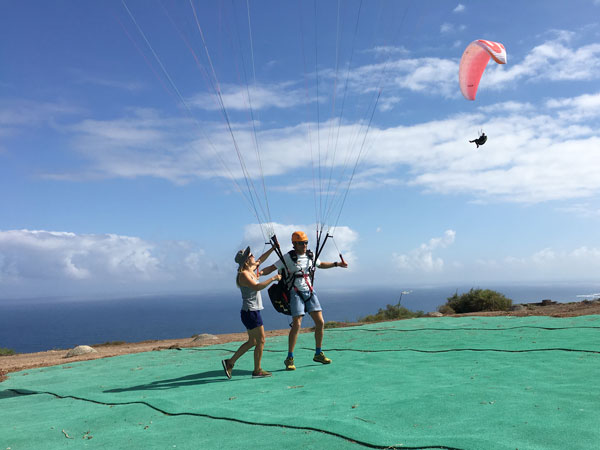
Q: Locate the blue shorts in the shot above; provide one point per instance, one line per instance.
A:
(251, 319)
(299, 307)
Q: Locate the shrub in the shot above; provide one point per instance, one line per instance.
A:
(446, 309)
(6, 352)
(109, 343)
(392, 312)
(477, 300)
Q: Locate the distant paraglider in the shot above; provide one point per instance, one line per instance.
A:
(473, 63)
(482, 139)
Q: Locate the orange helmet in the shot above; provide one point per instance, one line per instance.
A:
(299, 236)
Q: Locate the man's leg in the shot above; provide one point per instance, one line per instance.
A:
(319, 329)
(293, 337)
(317, 316)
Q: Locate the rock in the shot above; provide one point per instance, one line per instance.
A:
(435, 314)
(517, 308)
(204, 337)
(80, 350)
(548, 302)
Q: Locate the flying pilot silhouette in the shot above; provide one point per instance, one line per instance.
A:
(480, 140)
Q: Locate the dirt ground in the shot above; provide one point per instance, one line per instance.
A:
(26, 361)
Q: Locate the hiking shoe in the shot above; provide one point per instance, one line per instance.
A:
(289, 364)
(227, 368)
(322, 358)
(261, 374)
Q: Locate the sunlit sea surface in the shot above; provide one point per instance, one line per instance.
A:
(43, 324)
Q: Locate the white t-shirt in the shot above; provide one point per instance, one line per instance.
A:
(302, 265)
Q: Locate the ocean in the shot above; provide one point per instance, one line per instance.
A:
(34, 325)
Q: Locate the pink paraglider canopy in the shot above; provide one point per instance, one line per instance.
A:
(474, 61)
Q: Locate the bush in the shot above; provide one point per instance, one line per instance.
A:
(446, 309)
(392, 312)
(6, 352)
(109, 343)
(477, 300)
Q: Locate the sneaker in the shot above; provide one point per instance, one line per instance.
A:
(322, 358)
(289, 364)
(261, 374)
(227, 368)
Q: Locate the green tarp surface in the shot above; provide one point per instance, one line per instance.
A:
(456, 383)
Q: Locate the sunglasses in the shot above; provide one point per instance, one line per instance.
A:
(302, 242)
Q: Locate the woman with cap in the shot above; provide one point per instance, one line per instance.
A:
(250, 287)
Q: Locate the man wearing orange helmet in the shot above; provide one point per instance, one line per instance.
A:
(299, 264)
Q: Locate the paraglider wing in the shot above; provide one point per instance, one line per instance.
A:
(474, 61)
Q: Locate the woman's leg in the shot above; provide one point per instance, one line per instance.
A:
(243, 348)
(257, 335)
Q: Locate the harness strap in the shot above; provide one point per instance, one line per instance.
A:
(302, 296)
(301, 274)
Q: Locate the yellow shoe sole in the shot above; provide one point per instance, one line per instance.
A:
(289, 366)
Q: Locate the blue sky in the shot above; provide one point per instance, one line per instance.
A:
(119, 172)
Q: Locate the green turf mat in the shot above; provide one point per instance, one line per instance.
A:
(467, 383)
(44, 422)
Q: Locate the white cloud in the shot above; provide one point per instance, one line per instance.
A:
(546, 255)
(45, 254)
(508, 107)
(139, 145)
(434, 76)
(422, 258)
(387, 50)
(556, 59)
(547, 264)
(125, 85)
(459, 8)
(344, 237)
(260, 97)
(179, 150)
(54, 263)
(17, 116)
(583, 210)
(66, 261)
(446, 28)
(430, 75)
(579, 108)
(532, 163)
(388, 103)
(534, 153)
(553, 60)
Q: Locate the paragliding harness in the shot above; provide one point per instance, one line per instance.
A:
(279, 293)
